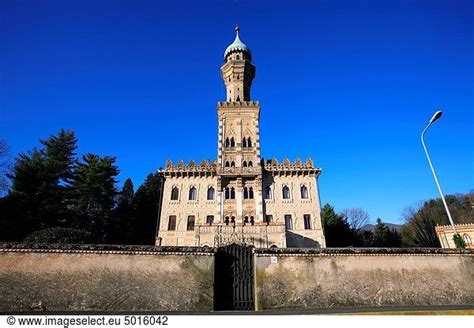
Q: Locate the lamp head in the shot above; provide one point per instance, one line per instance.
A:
(436, 116)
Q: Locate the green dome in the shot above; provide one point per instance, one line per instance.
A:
(237, 45)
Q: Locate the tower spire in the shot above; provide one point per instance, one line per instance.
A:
(236, 8)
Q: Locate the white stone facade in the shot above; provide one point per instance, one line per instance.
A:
(239, 197)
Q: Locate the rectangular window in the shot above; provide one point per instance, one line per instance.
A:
(172, 222)
(268, 219)
(210, 219)
(267, 193)
(190, 222)
(307, 221)
(288, 222)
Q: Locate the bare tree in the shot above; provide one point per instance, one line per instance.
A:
(4, 166)
(419, 227)
(356, 217)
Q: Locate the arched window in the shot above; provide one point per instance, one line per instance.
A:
(232, 142)
(286, 192)
(232, 164)
(244, 142)
(304, 192)
(226, 221)
(267, 193)
(174, 193)
(227, 193)
(232, 220)
(226, 143)
(244, 164)
(250, 193)
(249, 142)
(232, 193)
(192, 193)
(210, 193)
(227, 164)
(252, 221)
(246, 193)
(246, 220)
(250, 164)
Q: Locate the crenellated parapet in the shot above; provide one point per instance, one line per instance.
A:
(287, 167)
(205, 167)
(237, 104)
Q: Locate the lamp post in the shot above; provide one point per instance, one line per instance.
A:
(434, 118)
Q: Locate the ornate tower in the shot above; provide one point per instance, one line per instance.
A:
(240, 172)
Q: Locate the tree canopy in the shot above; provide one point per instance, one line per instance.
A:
(420, 221)
(54, 195)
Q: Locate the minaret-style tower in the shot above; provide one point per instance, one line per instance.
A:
(239, 168)
(238, 71)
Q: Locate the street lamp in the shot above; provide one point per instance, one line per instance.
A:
(434, 118)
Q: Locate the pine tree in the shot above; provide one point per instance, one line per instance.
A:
(40, 180)
(121, 227)
(94, 191)
(384, 236)
(146, 203)
(336, 228)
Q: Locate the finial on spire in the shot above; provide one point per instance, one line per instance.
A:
(236, 16)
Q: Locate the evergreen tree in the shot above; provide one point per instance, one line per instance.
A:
(121, 228)
(59, 160)
(336, 228)
(384, 236)
(146, 203)
(40, 181)
(127, 193)
(94, 191)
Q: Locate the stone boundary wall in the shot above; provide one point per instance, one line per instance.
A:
(351, 277)
(65, 277)
(105, 278)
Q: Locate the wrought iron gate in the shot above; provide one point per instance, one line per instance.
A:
(234, 279)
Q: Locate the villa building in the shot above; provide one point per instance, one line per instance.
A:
(239, 197)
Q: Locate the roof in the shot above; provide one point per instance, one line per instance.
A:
(237, 45)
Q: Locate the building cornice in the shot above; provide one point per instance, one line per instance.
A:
(204, 167)
(287, 167)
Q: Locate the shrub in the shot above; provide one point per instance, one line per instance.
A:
(459, 242)
(60, 235)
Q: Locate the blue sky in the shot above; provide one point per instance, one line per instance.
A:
(349, 83)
